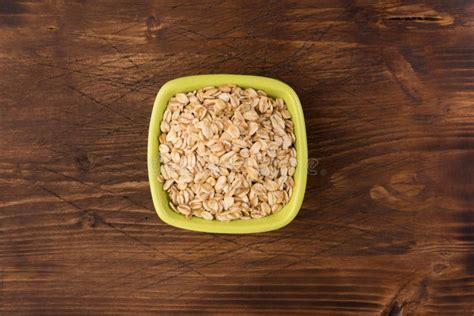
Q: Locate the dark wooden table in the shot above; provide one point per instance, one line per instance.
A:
(387, 224)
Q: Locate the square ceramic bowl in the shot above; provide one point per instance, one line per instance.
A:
(275, 89)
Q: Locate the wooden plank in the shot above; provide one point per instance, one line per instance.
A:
(387, 222)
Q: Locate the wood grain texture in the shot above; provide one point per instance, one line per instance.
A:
(387, 224)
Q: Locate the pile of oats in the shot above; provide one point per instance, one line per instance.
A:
(227, 153)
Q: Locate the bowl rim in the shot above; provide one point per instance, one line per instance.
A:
(268, 223)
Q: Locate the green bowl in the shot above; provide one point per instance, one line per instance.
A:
(274, 88)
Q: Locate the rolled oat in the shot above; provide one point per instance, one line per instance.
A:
(227, 153)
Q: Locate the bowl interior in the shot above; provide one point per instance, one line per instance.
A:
(274, 88)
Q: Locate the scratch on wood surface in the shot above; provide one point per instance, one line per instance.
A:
(108, 107)
(128, 235)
